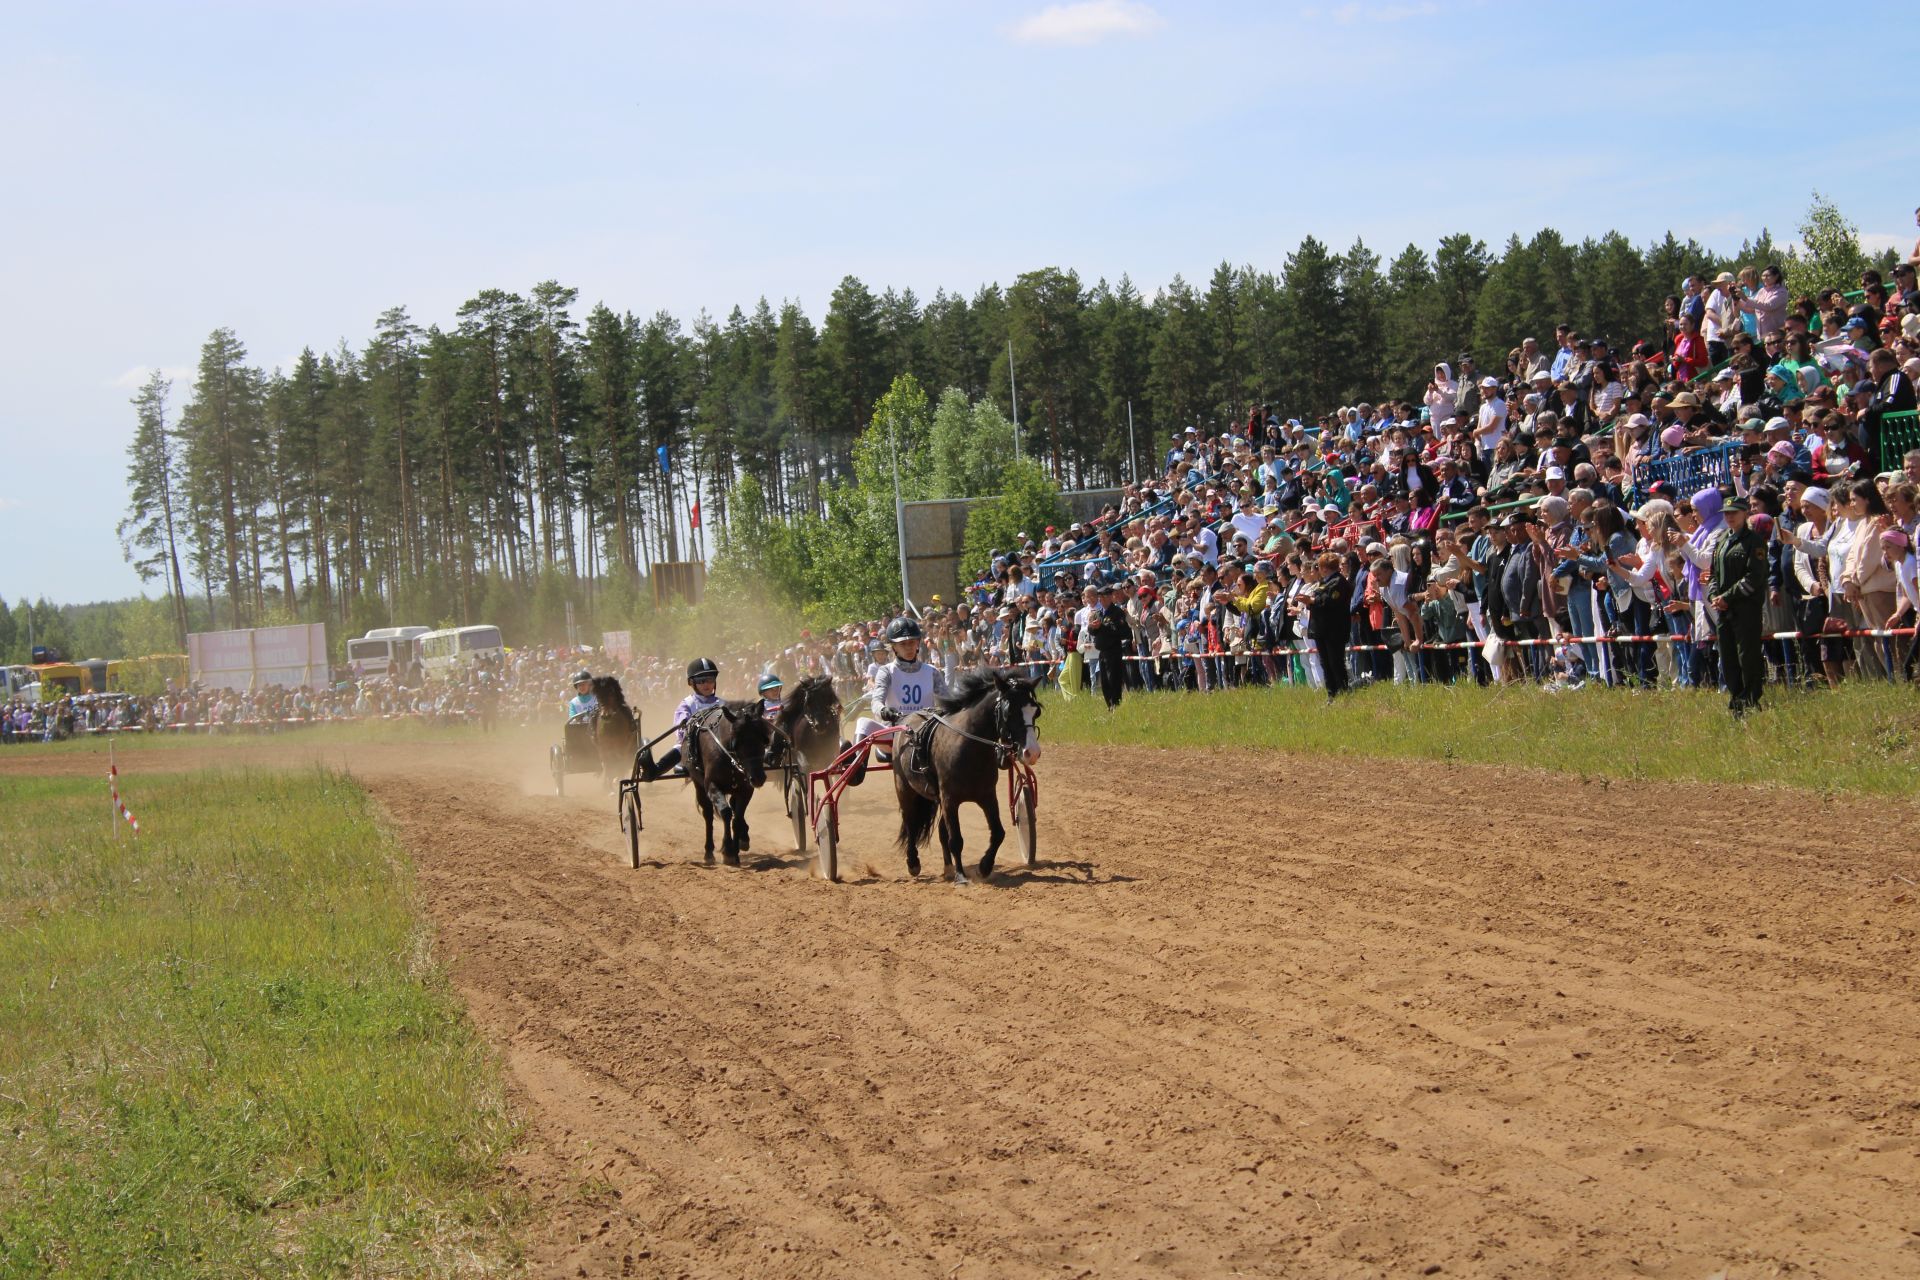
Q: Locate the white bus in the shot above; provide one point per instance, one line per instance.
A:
(442, 651)
(370, 654)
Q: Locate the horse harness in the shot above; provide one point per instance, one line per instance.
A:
(702, 722)
(1003, 750)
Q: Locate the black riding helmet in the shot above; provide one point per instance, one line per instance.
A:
(903, 628)
(583, 676)
(702, 669)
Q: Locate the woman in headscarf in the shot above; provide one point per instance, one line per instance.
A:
(1333, 488)
(1442, 393)
(1710, 526)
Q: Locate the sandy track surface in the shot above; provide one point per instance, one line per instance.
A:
(1251, 1015)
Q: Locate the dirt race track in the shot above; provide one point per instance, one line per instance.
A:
(1281, 1021)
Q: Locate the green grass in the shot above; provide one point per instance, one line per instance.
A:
(225, 1049)
(1862, 737)
(343, 733)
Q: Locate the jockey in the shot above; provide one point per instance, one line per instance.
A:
(770, 693)
(900, 688)
(583, 702)
(702, 677)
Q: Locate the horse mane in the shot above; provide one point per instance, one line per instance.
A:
(971, 688)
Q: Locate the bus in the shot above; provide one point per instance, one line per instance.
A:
(442, 652)
(370, 654)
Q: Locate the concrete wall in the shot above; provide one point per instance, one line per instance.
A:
(934, 532)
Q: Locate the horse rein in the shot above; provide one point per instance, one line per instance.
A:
(703, 723)
(1003, 750)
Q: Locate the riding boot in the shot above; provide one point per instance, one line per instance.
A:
(858, 770)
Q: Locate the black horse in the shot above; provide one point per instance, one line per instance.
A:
(953, 755)
(726, 759)
(809, 721)
(616, 732)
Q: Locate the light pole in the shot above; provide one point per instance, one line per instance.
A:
(1133, 459)
(899, 513)
(1013, 391)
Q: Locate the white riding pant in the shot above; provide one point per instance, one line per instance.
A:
(866, 727)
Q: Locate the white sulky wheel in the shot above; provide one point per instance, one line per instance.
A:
(1026, 826)
(826, 839)
(797, 809)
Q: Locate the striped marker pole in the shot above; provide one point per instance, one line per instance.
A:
(117, 810)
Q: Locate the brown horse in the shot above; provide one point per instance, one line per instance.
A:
(954, 755)
(615, 732)
(809, 721)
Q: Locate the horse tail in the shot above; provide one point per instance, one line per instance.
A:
(916, 819)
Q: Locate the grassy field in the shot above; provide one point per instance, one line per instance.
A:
(342, 734)
(225, 1048)
(1861, 737)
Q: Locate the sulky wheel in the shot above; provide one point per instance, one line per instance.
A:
(1026, 826)
(797, 809)
(557, 761)
(630, 819)
(826, 839)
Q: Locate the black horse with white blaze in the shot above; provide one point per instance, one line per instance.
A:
(954, 755)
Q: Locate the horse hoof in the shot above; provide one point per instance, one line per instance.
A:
(913, 868)
(733, 859)
(709, 857)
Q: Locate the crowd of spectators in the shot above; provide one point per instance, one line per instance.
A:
(1557, 520)
(1562, 519)
(525, 687)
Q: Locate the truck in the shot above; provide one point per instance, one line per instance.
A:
(19, 684)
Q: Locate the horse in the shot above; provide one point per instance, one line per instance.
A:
(726, 760)
(953, 755)
(809, 720)
(616, 731)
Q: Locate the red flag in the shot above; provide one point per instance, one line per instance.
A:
(693, 514)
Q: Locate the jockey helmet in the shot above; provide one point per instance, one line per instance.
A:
(903, 628)
(769, 682)
(583, 676)
(702, 669)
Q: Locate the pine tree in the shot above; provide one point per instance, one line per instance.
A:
(1311, 287)
(1363, 297)
(1411, 338)
(221, 429)
(149, 534)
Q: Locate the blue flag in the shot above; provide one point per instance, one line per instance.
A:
(661, 453)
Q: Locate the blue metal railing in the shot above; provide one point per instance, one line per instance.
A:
(1688, 472)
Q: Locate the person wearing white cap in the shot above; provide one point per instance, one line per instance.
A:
(1809, 540)
(1491, 425)
(1722, 317)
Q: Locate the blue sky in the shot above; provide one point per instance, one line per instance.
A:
(290, 170)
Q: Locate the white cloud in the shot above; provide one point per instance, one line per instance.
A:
(136, 377)
(1086, 23)
(1881, 241)
(11, 504)
(1353, 11)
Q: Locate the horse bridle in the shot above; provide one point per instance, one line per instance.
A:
(1003, 748)
(704, 724)
(829, 727)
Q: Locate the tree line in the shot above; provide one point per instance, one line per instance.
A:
(525, 455)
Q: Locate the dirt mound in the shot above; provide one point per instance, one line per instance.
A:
(1251, 1015)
